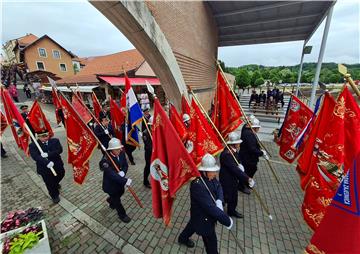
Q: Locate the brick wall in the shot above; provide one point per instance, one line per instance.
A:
(192, 34)
(51, 64)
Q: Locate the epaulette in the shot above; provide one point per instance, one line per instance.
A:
(197, 180)
(105, 164)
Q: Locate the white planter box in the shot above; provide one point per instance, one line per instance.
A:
(42, 246)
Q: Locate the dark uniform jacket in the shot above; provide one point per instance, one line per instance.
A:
(250, 149)
(203, 212)
(104, 114)
(102, 136)
(113, 183)
(147, 141)
(230, 173)
(53, 149)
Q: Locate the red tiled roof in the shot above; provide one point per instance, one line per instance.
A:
(106, 65)
(27, 39)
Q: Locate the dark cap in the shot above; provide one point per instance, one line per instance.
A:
(42, 133)
(103, 117)
(145, 110)
(24, 106)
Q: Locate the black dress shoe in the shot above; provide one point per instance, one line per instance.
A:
(236, 215)
(245, 190)
(56, 200)
(110, 205)
(147, 185)
(59, 187)
(189, 243)
(4, 156)
(132, 163)
(125, 219)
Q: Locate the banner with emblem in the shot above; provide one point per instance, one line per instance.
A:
(81, 141)
(79, 106)
(177, 123)
(38, 120)
(3, 123)
(296, 120)
(201, 135)
(226, 111)
(339, 231)
(16, 121)
(171, 166)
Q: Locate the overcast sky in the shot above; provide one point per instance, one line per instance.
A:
(82, 29)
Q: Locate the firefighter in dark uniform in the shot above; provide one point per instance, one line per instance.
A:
(148, 150)
(206, 209)
(24, 114)
(189, 145)
(250, 149)
(114, 182)
(147, 116)
(105, 112)
(232, 173)
(104, 131)
(50, 158)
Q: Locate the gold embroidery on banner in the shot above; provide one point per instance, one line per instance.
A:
(325, 201)
(314, 249)
(157, 122)
(208, 145)
(185, 168)
(315, 217)
(340, 109)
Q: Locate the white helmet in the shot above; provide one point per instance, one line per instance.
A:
(114, 143)
(255, 123)
(234, 138)
(186, 118)
(208, 163)
(151, 120)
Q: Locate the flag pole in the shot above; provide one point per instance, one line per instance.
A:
(249, 124)
(219, 134)
(242, 110)
(34, 140)
(347, 76)
(105, 151)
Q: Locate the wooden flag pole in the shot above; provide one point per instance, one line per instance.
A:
(343, 70)
(262, 203)
(104, 150)
(242, 110)
(249, 124)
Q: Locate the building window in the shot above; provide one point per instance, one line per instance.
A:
(42, 52)
(56, 54)
(62, 67)
(40, 66)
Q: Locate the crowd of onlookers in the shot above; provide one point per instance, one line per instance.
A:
(268, 101)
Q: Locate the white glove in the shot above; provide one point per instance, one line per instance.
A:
(241, 167)
(44, 155)
(91, 124)
(219, 204)
(106, 132)
(50, 164)
(128, 182)
(121, 173)
(251, 183)
(266, 156)
(231, 224)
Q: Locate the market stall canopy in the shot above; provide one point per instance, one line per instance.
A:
(82, 89)
(120, 81)
(254, 22)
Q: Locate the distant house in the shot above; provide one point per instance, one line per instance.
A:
(40, 54)
(105, 74)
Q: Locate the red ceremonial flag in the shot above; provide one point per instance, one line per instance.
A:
(117, 118)
(3, 123)
(171, 165)
(202, 136)
(185, 108)
(339, 231)
(80, 109)
(16, 121)
(308, 158)
(38, 120)
(123, 100)
(295, 122)
(96, 105)
(177, 123)
(81, 141)
(227, 113)
(57, 105)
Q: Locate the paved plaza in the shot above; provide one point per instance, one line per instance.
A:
(83, 223)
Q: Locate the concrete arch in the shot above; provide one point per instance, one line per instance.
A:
(136, 22)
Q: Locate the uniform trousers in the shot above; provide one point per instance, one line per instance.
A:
(115, 202)
(147, 166)
(52, 182)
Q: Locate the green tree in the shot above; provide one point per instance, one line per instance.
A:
(259, 82)
(255, 76)
(285, 75)
(242, 78)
